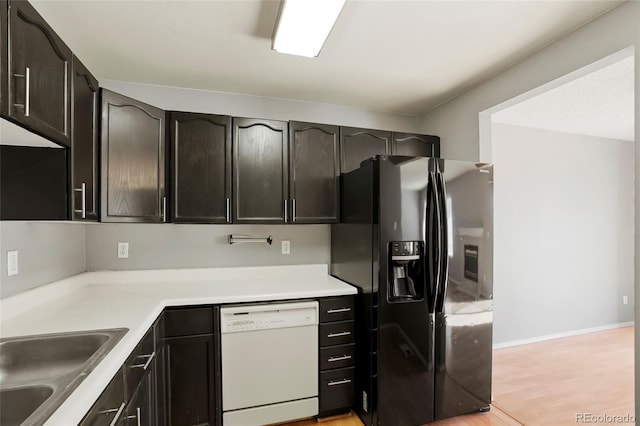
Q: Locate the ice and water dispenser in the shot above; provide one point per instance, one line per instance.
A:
(406, 271)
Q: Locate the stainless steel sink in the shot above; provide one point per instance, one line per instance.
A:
(37, 373)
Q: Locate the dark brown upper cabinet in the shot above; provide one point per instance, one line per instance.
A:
(314, 168)
(416, 145)
(39, 75)
(200, 168)
(356, 145)
(84, 144)
(260, 178)
(4, 56)
(133, 160)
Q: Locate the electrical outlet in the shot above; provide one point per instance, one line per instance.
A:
(286, 247)
(625, 300)
(123, 250)
(12, 262)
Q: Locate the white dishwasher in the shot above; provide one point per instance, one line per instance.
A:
(269, 363)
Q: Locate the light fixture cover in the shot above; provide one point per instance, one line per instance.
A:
(304, 25)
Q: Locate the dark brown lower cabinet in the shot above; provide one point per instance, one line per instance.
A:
(191, 366)
(336, 355)
(190, 376)
(141, 407)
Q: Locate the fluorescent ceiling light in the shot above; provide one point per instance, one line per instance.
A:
(304, 25)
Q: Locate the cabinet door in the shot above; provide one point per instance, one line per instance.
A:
(314, 168)
(190, 380)
(4, 56)
(416, 145)
(133, 160)
(260, 178)
(109, 408)
(141, 407)
(201, 168)
(40, 80)
(84, 144)
(356, 145)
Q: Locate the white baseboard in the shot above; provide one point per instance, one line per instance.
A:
(560, 335)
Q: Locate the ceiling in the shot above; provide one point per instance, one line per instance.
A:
(599, 104)
(395, 56)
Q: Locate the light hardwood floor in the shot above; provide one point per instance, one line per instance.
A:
(549, 383)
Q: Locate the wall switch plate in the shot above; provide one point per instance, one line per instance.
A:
(625, 300)
(123, 250)
(286, 247)
(12, 262)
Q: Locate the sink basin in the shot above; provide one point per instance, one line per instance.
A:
(37, 373)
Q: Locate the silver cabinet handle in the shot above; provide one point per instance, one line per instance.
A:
(342, 333)
(146, 364)
(228, 210)
(118, 412)
(137, 416)
(293, 210)
(286, 219)
(27, 89)
(164, 209)
(339, 358)
(339, 382)
(335, 311)
(82, 191)
(27, 103)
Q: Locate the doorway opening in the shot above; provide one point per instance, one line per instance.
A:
(563, 245)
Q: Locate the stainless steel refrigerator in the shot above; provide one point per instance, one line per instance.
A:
(416, 239)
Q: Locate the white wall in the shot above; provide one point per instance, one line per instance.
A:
(161, 246)
(47, 252)
(456, 121)
(563, 232)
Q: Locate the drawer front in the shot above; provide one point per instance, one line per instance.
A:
(336, 390)
(188, 322)
(336, 308)
(109, 407)
(336, 333)
(140, 360)
(337, 356)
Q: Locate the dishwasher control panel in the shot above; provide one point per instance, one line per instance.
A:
(268, 316)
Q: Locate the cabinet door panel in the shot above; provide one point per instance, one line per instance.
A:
(141, 408)
(416, 145)
(260, 175)
(84, 143)
(4, 57)
(314, 170)
(40, 67)
(190, 380)
(133, 160)
(201, 167)
(356, 145)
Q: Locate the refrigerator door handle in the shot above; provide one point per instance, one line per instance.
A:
(443, 260)
(434, 261)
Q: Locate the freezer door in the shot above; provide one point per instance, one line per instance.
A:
(405, 360)
(464, 299)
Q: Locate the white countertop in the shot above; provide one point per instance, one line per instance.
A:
(134, 299)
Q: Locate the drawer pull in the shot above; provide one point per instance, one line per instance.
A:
(335, 311)
(339, 382)
(339, 358)
(342, 333)
(118, 412)
(146, 364)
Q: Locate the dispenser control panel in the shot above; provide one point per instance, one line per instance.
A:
(405, 248)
